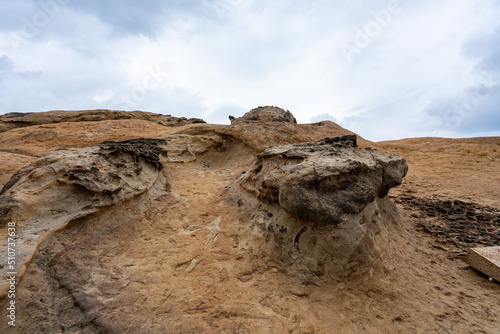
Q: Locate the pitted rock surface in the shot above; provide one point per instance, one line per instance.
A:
(456, 224)
(146, 148)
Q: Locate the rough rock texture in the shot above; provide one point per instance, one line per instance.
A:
(261, 135)
(196, 253)
(65, 185)
(15, 120)
(36, 140)
(461, 225)
(323, 181)
(335, 190)
(266, 114)
(185, 148)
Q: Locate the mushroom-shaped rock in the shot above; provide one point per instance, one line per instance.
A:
(333, 194)
(322, 181)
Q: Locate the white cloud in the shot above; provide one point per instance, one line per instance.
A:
(205, 59)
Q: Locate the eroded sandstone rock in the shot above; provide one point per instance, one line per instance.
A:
(261, 135)
(324, 180)
(185, 148)
(334, 197)
(266, 114)
(65, 185)
(16, 120)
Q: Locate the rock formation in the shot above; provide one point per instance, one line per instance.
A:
(322, 182)
(185, 148)
(334, 192)
(65, 185)
(140, 225)
(15, 120)
(265, 114)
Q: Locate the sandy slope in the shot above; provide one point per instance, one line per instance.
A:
(467, 169)
(184, 257)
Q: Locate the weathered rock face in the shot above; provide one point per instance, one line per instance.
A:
(266, 114)
(322, 181)
(334, 192)
(185, 148)
(16, 120)
(262, 135)
(196, 253)
(64, 185)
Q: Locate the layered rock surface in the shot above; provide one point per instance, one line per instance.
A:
(65, 185)
(15, 120)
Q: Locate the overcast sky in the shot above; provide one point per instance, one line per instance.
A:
(383, 69)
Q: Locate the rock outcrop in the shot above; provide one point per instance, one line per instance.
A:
(65, 185)
(305, 240)
(323, 181)
(15, 120)
(266, 114)
(261, 135)
(334, 192)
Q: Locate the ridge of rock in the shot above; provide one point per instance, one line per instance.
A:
(261, 135)
(16, 119)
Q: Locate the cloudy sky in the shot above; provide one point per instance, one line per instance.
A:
(384, 69)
